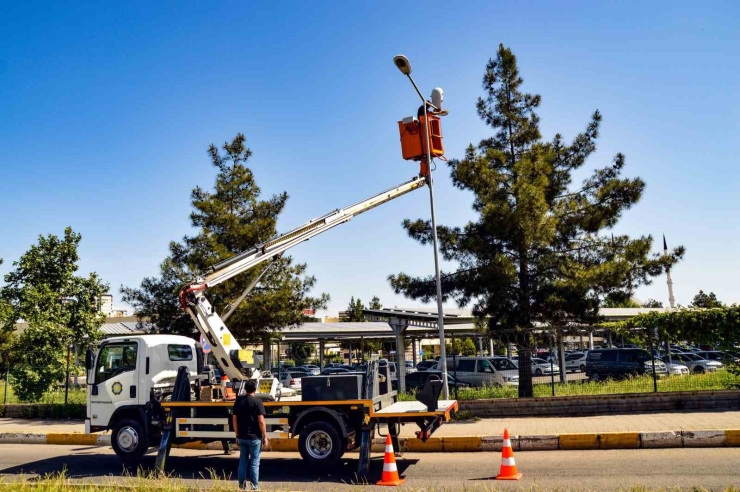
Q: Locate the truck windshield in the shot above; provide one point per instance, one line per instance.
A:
(114, 359)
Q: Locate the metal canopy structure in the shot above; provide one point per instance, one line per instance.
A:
(414, 323)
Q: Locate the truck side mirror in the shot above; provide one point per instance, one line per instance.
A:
(89, 359)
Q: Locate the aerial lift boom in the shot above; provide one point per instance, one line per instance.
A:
(225, 347)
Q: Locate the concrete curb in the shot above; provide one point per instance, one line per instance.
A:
(551, 442)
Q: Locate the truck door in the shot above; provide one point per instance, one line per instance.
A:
(115, 381)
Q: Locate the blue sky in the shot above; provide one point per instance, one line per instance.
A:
(106, 112)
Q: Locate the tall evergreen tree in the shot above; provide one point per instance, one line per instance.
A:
(354, 311)
(706, 301)
(537, 251)
(230, 219)
(652, 303)
(375, 303)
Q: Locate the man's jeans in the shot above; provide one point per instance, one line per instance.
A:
(249, 457)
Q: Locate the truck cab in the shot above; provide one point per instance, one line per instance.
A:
(123, 375)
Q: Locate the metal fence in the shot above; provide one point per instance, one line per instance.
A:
(569, 372)
(27, 390)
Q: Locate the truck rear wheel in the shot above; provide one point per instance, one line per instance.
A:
(320, 444)
(129, 440)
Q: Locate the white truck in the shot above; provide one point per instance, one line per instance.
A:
(142, 388)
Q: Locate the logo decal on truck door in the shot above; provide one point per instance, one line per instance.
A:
(117, 388)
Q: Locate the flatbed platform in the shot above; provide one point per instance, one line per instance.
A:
(413, 408)
(400, 409)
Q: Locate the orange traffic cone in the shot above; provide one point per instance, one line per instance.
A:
(508, 466)
(226, 388)
(390, 472)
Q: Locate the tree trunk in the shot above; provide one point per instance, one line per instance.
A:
(525, 323)
(525, 372)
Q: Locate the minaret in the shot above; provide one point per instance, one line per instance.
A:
(671, 299)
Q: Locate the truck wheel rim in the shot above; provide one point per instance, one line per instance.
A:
(128, 439)
(319, 445)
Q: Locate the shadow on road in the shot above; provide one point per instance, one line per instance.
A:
(90, 464)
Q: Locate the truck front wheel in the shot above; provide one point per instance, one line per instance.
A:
(129, 440)
(320, 444)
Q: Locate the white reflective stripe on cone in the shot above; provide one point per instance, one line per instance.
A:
(389, 449)
(507, 443)
(508, 462)
(389, 467)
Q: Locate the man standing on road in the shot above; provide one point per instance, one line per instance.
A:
(251, 434)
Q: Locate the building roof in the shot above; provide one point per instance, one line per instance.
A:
(357, 330)
(126, 328)
(619, 314)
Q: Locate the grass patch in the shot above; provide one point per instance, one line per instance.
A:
(147, 482)
(720, 380)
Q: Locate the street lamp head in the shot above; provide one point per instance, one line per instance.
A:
(438, 96)
(403, 64)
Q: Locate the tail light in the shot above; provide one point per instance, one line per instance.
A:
(292, 381)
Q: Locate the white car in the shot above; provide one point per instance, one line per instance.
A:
(313, 369)
(576, 362)
(291, 379)
(541, 366)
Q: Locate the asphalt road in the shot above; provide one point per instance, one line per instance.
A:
(546, 470)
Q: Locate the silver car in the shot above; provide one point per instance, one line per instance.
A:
(675, 367)
(695, 363)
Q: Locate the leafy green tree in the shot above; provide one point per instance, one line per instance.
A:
(706, 301)
(461, 346)
(652, 303)
(375, 303)
(718, 326)
(59, 307)
(301, 352)
(538, 249)
(230, 219)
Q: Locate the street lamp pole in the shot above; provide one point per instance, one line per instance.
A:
(404, 66)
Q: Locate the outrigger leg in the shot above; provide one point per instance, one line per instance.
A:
(363, 468)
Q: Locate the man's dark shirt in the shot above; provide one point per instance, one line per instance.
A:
(247, 409)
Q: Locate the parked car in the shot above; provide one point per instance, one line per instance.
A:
(334, 370)
(484, 371)
(313, 369)
(697, 364)
(575, 362)
(416, 380)
(541, 366)
(719, 356)
(410, 367)
(425, 365)
(617, 363)
(292, 379)
(675, 367)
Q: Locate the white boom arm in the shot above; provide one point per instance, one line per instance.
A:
(209, 323)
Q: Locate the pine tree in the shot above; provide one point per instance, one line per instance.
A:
(354, 311)
(230, 219)
(375, 303)
(537, 251)
(706, 301)
(652, 303)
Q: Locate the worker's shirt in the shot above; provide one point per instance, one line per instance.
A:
(247, 409)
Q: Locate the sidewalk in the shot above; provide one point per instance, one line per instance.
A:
(531, 426)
